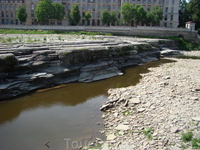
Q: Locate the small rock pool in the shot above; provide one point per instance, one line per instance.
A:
(65, 117)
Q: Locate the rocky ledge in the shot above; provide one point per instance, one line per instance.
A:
(27, 66)
(158, 113)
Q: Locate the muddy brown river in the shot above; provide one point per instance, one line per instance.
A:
(64, 117)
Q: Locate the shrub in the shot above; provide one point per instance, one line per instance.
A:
(186, 137)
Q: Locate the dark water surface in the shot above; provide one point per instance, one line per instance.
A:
(67, 117)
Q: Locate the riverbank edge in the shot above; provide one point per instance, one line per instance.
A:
(124, 130)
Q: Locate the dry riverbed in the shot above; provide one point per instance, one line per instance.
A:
(154, 113)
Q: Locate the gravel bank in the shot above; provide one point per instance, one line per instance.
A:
(154, 113)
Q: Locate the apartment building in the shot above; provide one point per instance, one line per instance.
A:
(8, 10)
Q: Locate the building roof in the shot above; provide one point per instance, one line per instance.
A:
(190, 22)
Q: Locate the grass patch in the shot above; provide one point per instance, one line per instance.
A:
(196, 143)
(186, 137)
(148, 132)
(185, 44)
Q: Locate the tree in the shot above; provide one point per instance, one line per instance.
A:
(105, 17)
(44, 10)
(113, 17)
(58, 11)
(183, 13)
(21, 14)
(140, 14)
(193, 8)
(127, 11)
(75, 14)
(87, 16)
(156, 15)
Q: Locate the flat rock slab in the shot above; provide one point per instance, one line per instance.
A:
(134, 100)
(196, 118)
(111, 137)
(122, 127)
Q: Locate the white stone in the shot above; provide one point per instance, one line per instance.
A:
(196, 118)
(111, 137)
(122, 127)
(135, 100)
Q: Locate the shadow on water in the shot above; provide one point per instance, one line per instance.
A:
(71, 110)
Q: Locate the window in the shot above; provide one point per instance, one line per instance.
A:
(160, 2)
(73, 1)
(32, 14)
(58, 1)
(68, 7)
(133, 1)
(93, 14)
(6, 7)
(20, 1)
(119, 1)
(15, 1)
(119, 15)
(114, 1)
(6, 1)
(98, 15)
(166, 9)
(11, 15)
(7, 14)
(99, 7)
(7, 21)
(144, 1)
(165, 18)
(99, 1)
(104, 7)
(68, 1)
(172, 2)
(171, 18)
(108, 1)
(11, 1)
(15, 6)
(167, 2)
(12, 22)
(138, 1)
(149, 1)
(108, 7)
(171, 25)
(172, 10)
(11, 8)
(154, 1)
(148, 8)
(32, 6)
(104, 1)
(32, 1)
(93, 7)
(83, 14)
(79, 1)
(2, 14)
(114, 7)
(83, 1)
(119, 7)
(88, 7)
(83, 7)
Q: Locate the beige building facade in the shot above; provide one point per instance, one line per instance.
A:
(8, 10)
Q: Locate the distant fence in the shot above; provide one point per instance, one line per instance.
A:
(139, 30)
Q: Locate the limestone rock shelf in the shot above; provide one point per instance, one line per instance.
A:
(30, 66)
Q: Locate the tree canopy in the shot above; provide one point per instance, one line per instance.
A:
(75, 14)
(87, 15)
(113, 17)
(155, 15)
(193, 7)
(21, 14)
(140, 14)
(127, 11)
(105, 17)
(44, 10)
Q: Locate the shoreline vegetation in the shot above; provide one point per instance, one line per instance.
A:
(182, 43)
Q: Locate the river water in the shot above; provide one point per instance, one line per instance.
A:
(66, 116)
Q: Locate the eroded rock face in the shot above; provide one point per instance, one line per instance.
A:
(31, 66)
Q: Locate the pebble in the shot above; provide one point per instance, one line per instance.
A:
(168, 103)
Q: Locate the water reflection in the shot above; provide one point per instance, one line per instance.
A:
(68, 112)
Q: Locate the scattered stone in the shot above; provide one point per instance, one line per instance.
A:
(135, 100)
(196, 118)
(122, 127)
(140, 110)
(111, 137)
(174, 129)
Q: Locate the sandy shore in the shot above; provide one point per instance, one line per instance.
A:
(154, 113)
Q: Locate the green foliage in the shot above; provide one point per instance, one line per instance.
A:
(185, 44)
(127, 11)
(21, 14)
(196, 143)
(113, 17)
(87, 15)
(193, 9)
(186, 137)
(183, 13)
(105, 17)
(43, 10)
(148, 132)
(140, 14)
(155, 15)
(75, 14)
(58, 11)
